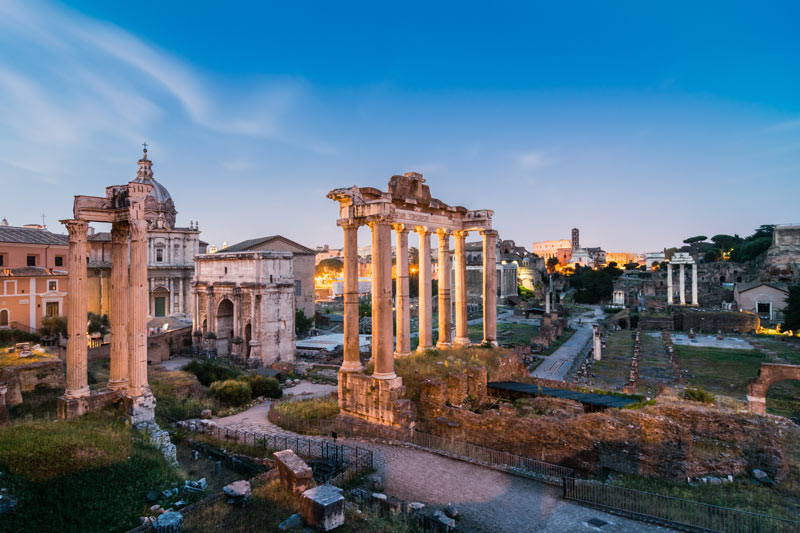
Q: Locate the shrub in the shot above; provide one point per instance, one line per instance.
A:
(10, 336)
(264, 386)
(326, 408)
(698, 395)
(208, 372)
(231, 391)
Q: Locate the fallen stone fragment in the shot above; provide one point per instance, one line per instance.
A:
(322, 507)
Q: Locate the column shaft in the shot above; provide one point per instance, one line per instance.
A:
(694, 284)
(77, 347)
(669, 283)
(425, 292)
(402, 305)
(682, 284)
(382, 345)
(118, 374)
(445, 307)
(490, 287)
(137, 320)
(460, 279)
(352, 360)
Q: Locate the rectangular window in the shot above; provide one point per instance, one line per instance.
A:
(159, 255)
(1, 260)
(51, 309)
(10, 287)
(763, 308)
(298, 287)
(52, 285)
(31, 260)
(59, 260)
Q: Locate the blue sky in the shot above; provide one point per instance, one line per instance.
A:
(640, 123)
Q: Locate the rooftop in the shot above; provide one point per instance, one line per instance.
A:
(22, 235)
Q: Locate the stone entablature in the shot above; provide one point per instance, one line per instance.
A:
(406, 206)
(244, 305)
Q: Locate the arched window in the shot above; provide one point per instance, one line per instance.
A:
(3, 318)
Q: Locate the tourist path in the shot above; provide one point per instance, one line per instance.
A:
(557, 365)
(488, 500)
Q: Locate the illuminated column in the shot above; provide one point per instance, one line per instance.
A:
(137, 320)
(445, 310)
(490, 287)
(77, 347)
(352, 361)
(118, 375)
(237, 310)
(694, 284)
(425, 293)
(382, 345)
(682, 283)
(669, 283)
(402, 307)
(462, 335)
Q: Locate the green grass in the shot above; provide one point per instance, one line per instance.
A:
(314, 409)
(613, 369)
(42, 402)
(507, 333)
(719, 370)
(12, 359)
(85, 474)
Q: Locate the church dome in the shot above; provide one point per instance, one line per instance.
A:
(159, 203)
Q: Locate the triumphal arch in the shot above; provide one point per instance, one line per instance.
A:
(406, 206)
(124, 207)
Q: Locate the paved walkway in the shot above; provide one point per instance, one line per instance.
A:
(489, 501)
(557, 365)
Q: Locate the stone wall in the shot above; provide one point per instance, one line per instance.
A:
(22, 379)
(161, 346)
(379, 401)
(711, 321)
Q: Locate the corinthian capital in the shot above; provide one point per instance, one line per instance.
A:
(138, 229)
(120, 232)
(77, 229)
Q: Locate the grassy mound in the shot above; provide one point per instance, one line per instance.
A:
(85, 474)
(314, 409)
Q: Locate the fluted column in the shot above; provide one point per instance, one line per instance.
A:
(490, 287)
(382, 345)
(77, 347)
(694, 284)
(237, 304)
(445, 308)
(460, 279)
(669, 284)
(118, 375)
(137, 320)
(402, 305)
(211, 309)
(425, 293)
(682, 284)
(352, 360)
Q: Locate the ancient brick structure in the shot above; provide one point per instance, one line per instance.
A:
(768, 375)
(406, 205)
(783, 257)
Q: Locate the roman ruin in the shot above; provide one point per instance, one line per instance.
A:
(682, 259)
(406, 205)
(124, 207)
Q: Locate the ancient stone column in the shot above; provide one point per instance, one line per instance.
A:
(462, 335)
(237, 311)
(137, 320)
(547, 303)
(382, 345)
(77, 347)
(402, 305)
(682, 284)
(425, 293)
(597, 346)
(211, 309)
(445, 307)
(118, 375)
(351, 362)
(669, 283)
(489, 287)
(694, 284)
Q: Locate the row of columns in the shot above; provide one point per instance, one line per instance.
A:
(129, 295)
(681, 284)
(383, 349)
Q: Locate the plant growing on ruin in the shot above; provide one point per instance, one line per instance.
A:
(231, 391)
(698, 395)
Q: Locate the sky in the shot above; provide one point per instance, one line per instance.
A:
(640, 123)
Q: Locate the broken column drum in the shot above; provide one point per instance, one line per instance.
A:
(406, 206)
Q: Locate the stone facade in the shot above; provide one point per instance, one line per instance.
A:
(783, 257)
(244, 306)
(765, 299)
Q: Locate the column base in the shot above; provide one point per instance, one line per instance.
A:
(440, 345)
(140, 409)
(119, 385)
(462, 341)
(384, 375)
(421, 349)
(351, 366)
(486, 342)
(402, 354)
(72, 394)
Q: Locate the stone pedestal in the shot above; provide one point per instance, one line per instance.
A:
(379, 401)
(322, 507)
(295, 474)
(140, 409)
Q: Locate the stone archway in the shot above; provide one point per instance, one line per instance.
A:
(768, 375)
(224, 325)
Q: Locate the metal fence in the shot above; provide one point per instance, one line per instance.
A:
(356, 460)
(673, 512)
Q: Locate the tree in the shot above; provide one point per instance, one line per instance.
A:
(98, 324)
(631, 266)
(791, 313)
(329, 266)
(712, 255)
(552, 263)
(302, 323)
(694, 243)
(765, 230)
(750, 249)
(726, 242)
(53, 325)
(365, 307)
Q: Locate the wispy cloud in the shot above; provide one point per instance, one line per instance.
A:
(531, 160)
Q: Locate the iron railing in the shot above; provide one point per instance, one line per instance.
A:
(674, 512)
